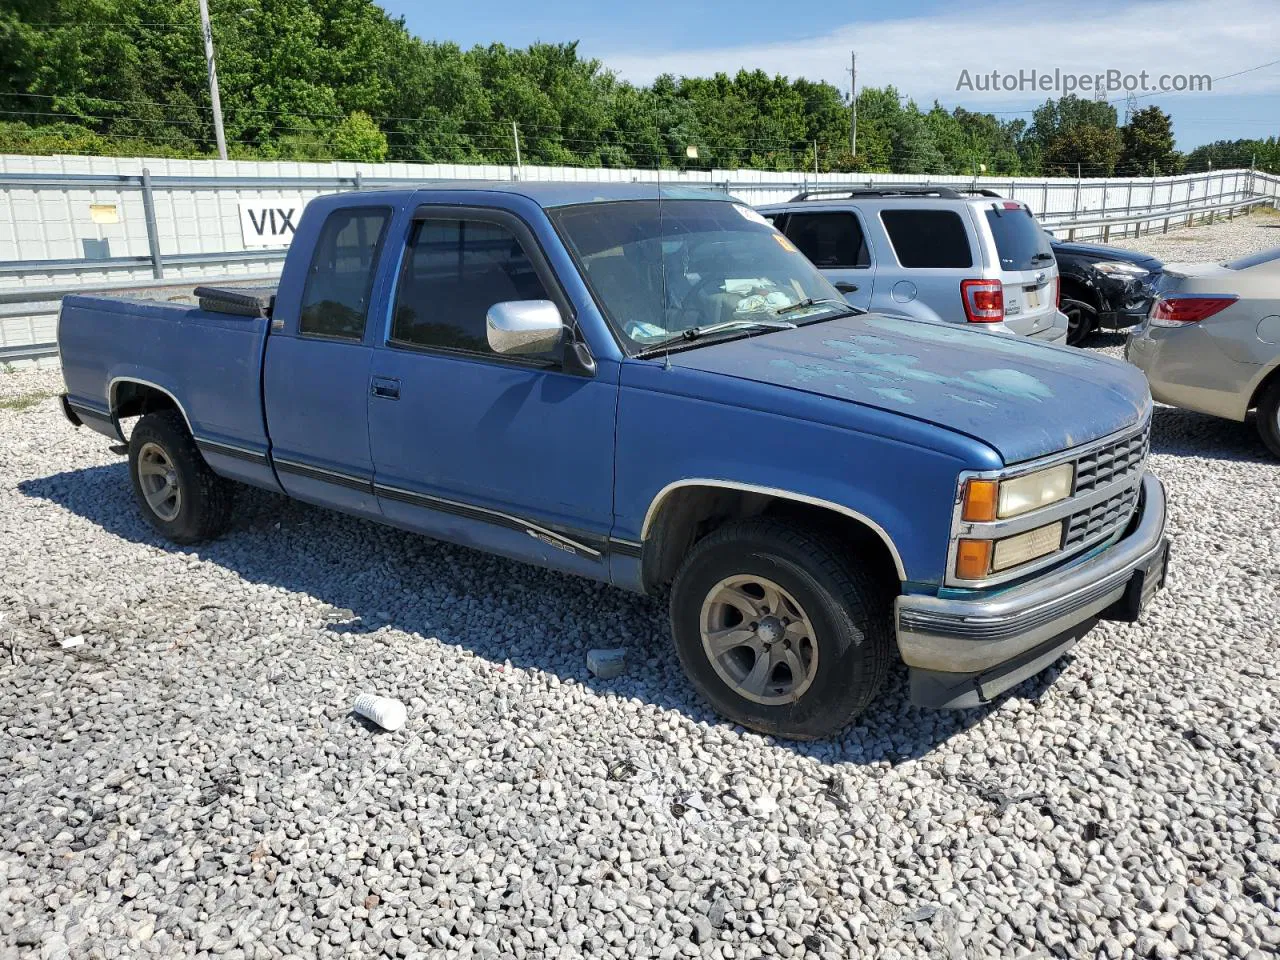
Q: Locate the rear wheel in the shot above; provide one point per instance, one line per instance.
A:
(1269, 417)
(1081, 320)
(778, 630)
(179, 494)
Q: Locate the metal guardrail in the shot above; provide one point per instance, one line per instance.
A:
(1188, 214)
(54, 295)
(34, 351)
(19, 267)
(44, 301)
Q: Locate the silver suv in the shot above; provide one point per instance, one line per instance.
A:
(931, 252)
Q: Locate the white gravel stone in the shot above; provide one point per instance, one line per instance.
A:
(190, 780)
(1221, 240)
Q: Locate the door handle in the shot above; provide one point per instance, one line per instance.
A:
(844, 286)
(388, 388)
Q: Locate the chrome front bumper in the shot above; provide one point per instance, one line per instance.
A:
(964, 652)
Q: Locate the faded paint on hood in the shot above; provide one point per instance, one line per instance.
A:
(1024, 399)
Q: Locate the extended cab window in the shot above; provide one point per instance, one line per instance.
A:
(454, 271)
(928, 239)
(335, 301)
(829, 239)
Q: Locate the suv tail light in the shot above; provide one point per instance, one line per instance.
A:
(983, 300)
(1179, 308)
(1057, 292)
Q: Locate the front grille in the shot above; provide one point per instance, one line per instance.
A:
(1108, 485)
(1101, 519)
(1113, 462)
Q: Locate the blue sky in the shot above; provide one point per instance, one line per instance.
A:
(919, 46)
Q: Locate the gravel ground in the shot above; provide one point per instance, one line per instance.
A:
(189, 780)
(1224, 240)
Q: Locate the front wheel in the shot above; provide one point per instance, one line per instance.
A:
(178, 492)
(779, 630)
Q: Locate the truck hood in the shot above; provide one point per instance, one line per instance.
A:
(1022, 398)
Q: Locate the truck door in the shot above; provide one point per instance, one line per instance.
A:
(509, 454)
(316, 378)
(836, 243)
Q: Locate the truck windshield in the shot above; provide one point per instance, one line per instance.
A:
(660, 270)
(1020, 242)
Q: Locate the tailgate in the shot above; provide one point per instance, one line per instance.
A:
(1030, 300)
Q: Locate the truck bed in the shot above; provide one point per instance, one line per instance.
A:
(210, 363)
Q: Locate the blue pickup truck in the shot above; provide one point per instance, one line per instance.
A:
(654, 388)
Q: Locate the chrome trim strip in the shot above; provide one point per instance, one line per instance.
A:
(86, 411)
(772, 492)
(968, 636)
(231, 450)
(533, 529)
(625, 548)
(1062, 510)
(324, 476)
(111, 400)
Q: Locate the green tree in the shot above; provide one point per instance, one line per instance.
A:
(1072, 135)
(358, 138)
(1148, 144)
(315, 79)
(1083, 151)
(1263, 154)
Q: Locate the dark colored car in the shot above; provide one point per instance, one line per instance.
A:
(1104, 287)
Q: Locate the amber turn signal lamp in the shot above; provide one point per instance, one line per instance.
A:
(980, 500)
(973, 559)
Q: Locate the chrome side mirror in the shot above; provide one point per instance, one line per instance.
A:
(521, 327)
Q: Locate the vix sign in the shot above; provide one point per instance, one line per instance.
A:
(271, 221)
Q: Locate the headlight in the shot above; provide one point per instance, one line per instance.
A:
(988, 500)
(1118, 268)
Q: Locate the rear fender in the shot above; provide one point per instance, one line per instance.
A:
(128, 382)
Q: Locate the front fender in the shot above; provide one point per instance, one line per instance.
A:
(895, 474)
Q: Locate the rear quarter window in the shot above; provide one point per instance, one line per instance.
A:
(335, 300)
(928, 239)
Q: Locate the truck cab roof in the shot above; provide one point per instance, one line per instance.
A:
(546, 194)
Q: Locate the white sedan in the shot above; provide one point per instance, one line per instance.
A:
(1212, 340)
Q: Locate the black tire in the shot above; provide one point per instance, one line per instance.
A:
(202, 509)
(1269, 416)
(1082, 320)
(846, 605)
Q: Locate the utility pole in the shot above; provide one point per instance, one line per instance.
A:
(853, 103)
(207, 30)
(515, 135)
(815, 160)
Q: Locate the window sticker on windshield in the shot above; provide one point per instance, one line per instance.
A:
(751, 214)
(785, 244)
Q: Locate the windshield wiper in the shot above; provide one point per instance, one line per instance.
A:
(1042, 256)
(697, 333)
(813, 302)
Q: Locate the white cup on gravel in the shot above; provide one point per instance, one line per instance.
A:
(387, 713)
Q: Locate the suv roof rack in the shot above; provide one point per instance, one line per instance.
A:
(893, 190)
